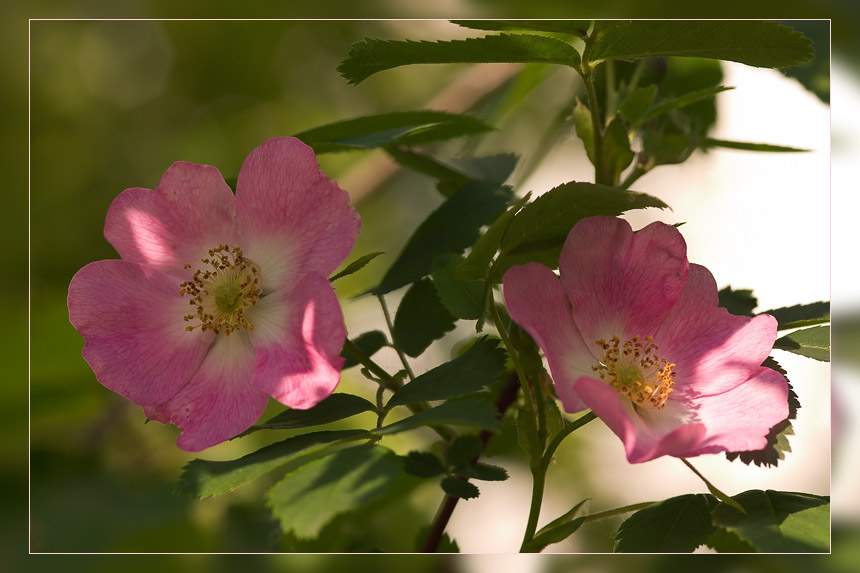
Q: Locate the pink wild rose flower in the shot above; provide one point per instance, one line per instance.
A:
(635, 333)
(220, 301)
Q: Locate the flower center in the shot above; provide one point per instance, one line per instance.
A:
(635, 370)
(222, 291)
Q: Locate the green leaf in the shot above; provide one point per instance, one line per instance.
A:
(810, 342)
(777, 437)
(710, 142)
(617, 154)
(423, 464)
(463, 450)
(404, 127)
(477, 264)
(312, 495)
(681, 101)
(778, 522)
(759, 44)
(637, 103)
(724, 541)
(557, 530)
(464, 299)
(355, 266)
(204, 478)
(335, 407)
(368, 342)
(484, 472)
(539, 230)
(554, 420)
(739, 302)
(576, 27)
(446, 544)
(421, 318)
(457, 487)
(584, 128)
(454, 174)
(527, 436)
(468, 413)
(371, 55)
(451, 228)
(478, 367)
(676, 525)
(801, 314)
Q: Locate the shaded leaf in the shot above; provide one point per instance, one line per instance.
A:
(454, 174)
(368, 342)
(477, 264)
(556, 531)
(421, 318)
(464, 299)
(204, 478)
(778, 522)
(754, 43)
(451, 228)
(681, 101)
(403, 127)
(637, 103)
(801, 314)
(617, 154)
(576, 27)
(810, 342)
(446, 544)
(457, 487)
(676, 525)
(331, 409)
(740, 302)
(484, 472)
(355, 266)
(463, 450)
(527, 436)
(312, 495)
(584, 127)
(371, 55)
(724, 541)
(423, 464)
(468, 413)
(710, 142)
(479, 366)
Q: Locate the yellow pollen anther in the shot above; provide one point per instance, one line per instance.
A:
(223, 294)
(635, 370)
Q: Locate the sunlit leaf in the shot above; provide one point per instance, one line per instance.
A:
(371, 55)
(468, 413)
(479, 366)
(676, 525)
(355, 266)
(557, 530)
(801, 315)
(778, 522)
(331, 409)
(312, 495)
(205, 478)
(810, 342)
(755, 43)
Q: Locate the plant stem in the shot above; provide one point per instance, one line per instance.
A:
(521, 375)
(587, 72)
(539, 474)
(391, 332)
(713, 489)
(507, 397)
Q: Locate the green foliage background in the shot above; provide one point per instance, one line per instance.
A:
(99, 480)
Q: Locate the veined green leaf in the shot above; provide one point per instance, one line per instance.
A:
(355, 266)
(205, 478)
(451, 228)
(405, 127)
(710, 142)
(477, 264)
(371, 55)
(810, 342)
(331, 409)
(801, 314)
(778, 521)
(676, 525)
(576, 27)
(421, 318)
(312, 495)
(476, 368)
(454, 174)
(469, 413)
(754, 43)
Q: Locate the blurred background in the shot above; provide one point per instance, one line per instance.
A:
(113, 104)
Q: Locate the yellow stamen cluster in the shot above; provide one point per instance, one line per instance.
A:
(634, 370)
(223, 292)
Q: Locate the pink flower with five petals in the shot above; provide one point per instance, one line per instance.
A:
(220, 301)
(633, 332)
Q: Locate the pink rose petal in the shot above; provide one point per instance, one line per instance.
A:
(131, 318)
